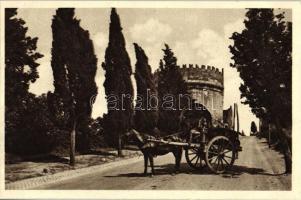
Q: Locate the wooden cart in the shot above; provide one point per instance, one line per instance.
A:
(216, 148)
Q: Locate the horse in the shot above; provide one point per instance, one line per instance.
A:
(152, 149)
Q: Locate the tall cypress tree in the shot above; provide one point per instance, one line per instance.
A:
(170, 86)
(118, 85)
(146, 113)
(74, 68)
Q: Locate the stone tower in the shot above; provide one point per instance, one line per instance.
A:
(206, 85)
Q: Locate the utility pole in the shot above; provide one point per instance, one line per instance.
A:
(269, 132)
(237, 117)
(233, 119)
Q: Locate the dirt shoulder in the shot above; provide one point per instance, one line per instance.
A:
(17, 168)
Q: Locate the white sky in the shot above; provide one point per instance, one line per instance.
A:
(197, 36)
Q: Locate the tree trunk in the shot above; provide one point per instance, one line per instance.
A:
(287, 159)
(287, 153)
(119, 146)
(269, 140)
(285, 148)
(72, 144)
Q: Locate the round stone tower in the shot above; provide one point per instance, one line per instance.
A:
(206, 85)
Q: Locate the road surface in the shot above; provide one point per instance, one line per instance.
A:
(257, 168)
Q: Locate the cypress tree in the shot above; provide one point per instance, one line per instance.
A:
(253, 127)
(74, 68)
(146, 114)
(117, 85)
(170, 86)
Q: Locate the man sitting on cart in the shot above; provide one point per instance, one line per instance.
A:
(200, 131)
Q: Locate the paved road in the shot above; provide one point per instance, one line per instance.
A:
(258, 168)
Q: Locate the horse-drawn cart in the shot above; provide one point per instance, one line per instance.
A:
(218, 152)
(204, 145)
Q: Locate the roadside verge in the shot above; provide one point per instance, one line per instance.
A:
(31, 183)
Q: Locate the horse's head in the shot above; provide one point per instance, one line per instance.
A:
(133, 137)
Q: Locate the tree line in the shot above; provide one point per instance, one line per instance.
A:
(261, 53)
(37, 124)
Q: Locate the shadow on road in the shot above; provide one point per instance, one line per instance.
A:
(168, 169)
(276, 146)
(238, 170)
(127, 175)
(47, 159)
(100, 153)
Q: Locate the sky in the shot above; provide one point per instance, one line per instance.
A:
(197, 36)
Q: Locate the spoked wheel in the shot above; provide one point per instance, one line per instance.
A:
(195, 157)
(220, 154)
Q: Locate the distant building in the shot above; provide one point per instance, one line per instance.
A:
(206, 85)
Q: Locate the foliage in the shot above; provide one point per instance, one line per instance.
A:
(118, 84)
(74, 68)
(28, 129)
(145, 117)
(262, 54)
(20, 58)
(253, 127)
(74, 63)
(170, 82)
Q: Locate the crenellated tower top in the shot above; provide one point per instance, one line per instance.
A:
(204, 75)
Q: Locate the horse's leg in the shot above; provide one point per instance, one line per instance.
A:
(178, 156)
(175, 153)
(151, 159)
(180, 152)
(145, 163)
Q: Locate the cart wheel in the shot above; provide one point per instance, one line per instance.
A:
(195, 157)
(220, 154)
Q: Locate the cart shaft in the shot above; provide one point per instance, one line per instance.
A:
(184, 144)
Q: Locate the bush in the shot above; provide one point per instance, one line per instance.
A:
(28, 128)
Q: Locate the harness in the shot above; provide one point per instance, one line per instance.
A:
(171, 138)
(148, 144)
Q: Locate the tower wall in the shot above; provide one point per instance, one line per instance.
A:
(206, 85)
